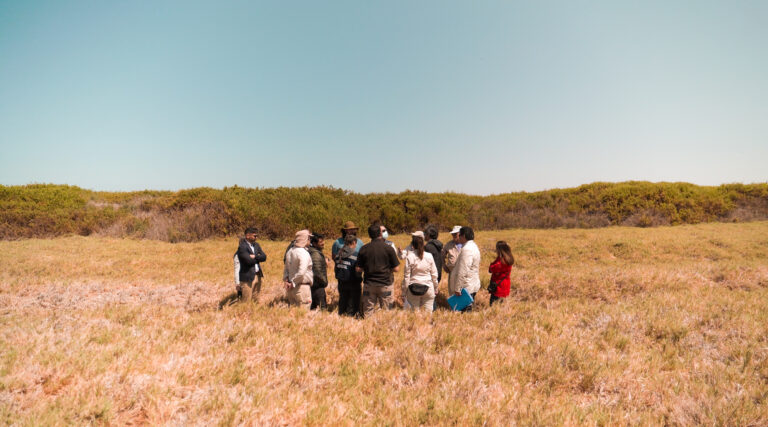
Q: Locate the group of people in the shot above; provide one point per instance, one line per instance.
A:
(365, 272)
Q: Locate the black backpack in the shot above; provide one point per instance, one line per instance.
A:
(345, 265)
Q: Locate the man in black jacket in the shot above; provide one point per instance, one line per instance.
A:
(249, 254)
(319, 271)
(434, 247)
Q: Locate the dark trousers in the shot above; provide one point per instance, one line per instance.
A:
(318, 299)
(349, 298)
(494, 298)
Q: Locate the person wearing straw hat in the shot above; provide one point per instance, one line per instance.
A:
(420, 275)
(348, 228)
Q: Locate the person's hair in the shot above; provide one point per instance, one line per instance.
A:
(374, 231)
(505, 252)
(250, 230)
(418, 246)
(431, 232)
(314, 238)
(467, 233)
(350, 239)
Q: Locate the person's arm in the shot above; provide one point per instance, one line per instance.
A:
(449, 261)
(285, 268)
(495, 267)
(260, 255)
(406, 276)
(393, 261)
(335, 249)
(361, 258)
(245, 257)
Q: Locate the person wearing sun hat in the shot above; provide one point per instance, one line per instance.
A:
(297, 274)
(419, 276)
(349, 227)
(450, 252)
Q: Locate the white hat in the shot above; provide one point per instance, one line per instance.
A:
(456, 229)
(418, 234)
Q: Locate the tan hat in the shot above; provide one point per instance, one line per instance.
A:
(349, 225)
(418, 234)
(302, 239)
(456, 229)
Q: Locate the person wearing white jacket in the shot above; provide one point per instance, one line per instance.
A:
(420, 276)
(297, 273)
(466, 272)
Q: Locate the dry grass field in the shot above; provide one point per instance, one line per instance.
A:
(606, 326)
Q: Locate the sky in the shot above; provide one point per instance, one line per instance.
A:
(477, 97)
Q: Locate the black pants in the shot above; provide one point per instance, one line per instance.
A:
(318, 299)
(349, 298)
(494, 298)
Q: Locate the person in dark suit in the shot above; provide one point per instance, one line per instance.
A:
(249, 254)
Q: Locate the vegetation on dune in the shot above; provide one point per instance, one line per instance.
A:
(190, 215)
(610, 326)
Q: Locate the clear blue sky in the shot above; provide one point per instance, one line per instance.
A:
(471, 96)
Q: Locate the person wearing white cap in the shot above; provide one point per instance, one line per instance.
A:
(466, 272)
(420, 276)
(450, 252)
(297, 274)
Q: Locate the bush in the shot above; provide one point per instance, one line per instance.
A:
(42, 210)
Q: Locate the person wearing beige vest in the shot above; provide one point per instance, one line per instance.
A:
(297, 273)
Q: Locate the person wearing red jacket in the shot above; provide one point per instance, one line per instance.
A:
(500, 270)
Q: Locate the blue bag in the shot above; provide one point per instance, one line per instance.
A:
(459, 303)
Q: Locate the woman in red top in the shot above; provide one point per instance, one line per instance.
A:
(500, 269)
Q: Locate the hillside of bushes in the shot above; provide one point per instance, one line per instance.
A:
(45, 210)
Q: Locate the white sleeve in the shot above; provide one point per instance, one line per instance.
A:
(406, 273)
(285, 267)
(236, 262)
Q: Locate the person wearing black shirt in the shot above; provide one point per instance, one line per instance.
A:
(377, 261)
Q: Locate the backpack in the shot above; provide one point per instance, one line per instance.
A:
(345, 265)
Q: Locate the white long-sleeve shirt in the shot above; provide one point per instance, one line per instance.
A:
(466, 272)
(298, 267)
(422, 271)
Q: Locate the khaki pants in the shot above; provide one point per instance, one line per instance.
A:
(377, 295)
(300, 295)
(251, 290)
(421, 302)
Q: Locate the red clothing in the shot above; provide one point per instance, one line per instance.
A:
(500, 270)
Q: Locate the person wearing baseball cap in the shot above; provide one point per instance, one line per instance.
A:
(349, 227)
(450, 252)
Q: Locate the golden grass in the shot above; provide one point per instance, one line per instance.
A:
(604, 327)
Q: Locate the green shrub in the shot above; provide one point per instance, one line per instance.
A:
(43, 210)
